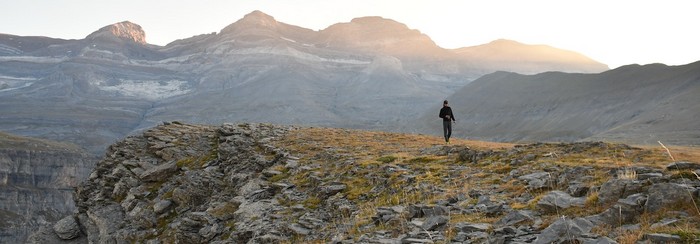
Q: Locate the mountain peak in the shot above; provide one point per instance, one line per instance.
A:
(372, 20)
(254, 20)
(123, 30)
(377, 33)
(260, 18)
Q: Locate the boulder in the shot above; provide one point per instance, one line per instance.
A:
(564, 231)
(332, 188)
(67, 228)
(159, 172)
(471, 227)
(437, 222)
(577, 189)
(537, 181)
(423, 211)
(299, 229)
(683, 165)
(162, 206)
(558, 200)
(660, 238)
(516, 217)
(623, 212)
(667, 195)
(615, 189)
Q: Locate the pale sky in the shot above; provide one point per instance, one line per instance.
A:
(614, 32)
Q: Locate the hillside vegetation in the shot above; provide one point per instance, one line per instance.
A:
(262, 183)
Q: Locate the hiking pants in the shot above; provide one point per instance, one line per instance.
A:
(447, 129)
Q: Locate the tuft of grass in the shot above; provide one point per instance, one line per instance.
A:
(685, 175)
(387, 159)
(312, 202)
(627, 174)
(422, 160)
(688, 236)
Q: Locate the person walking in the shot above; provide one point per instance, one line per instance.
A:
(447, 119)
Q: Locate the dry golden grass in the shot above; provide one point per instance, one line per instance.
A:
(679, 153)
(360, 159)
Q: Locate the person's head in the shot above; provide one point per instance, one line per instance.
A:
(444, 104)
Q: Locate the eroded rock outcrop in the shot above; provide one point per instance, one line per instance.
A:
(262, 183)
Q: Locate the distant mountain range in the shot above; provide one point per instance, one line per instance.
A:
(633, 104)
(370, 73)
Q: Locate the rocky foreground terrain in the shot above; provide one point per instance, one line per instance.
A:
(262, 183)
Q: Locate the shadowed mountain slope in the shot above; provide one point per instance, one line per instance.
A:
(640, 104)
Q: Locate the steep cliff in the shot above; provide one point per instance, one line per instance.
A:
(37, 179)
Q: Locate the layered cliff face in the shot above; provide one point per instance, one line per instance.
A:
(37, 180)
(263, 183)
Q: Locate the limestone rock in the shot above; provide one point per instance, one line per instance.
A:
(159, 172)
(564, 230)
(436, 222)
(668, 194)
(537, 181)
(658, 238)
(472, 227)
(683, 165)
(623, 212)
(516, 217)
(558, 200)
(67, 228)
(615, 189)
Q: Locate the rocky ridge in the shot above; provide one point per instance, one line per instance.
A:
(263, 183)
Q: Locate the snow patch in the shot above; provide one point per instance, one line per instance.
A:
(9, 83)
(32, 59)
(287, 39)
(291, 52)
(9, 50)
(5, 87)
(149, 89)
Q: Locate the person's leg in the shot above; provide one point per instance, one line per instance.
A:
(445, 130)
(449, 130)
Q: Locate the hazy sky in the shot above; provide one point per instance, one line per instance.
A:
(615, 32)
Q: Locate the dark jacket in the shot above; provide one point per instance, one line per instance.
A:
(444, 112)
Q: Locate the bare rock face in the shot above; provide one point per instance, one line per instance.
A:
(123, 30)
(36, 183)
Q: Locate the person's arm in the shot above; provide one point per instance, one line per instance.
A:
(442, 113)
(452, 115)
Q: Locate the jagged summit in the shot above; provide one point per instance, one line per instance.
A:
(123, 30)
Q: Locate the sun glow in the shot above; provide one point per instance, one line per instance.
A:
(613, 32)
